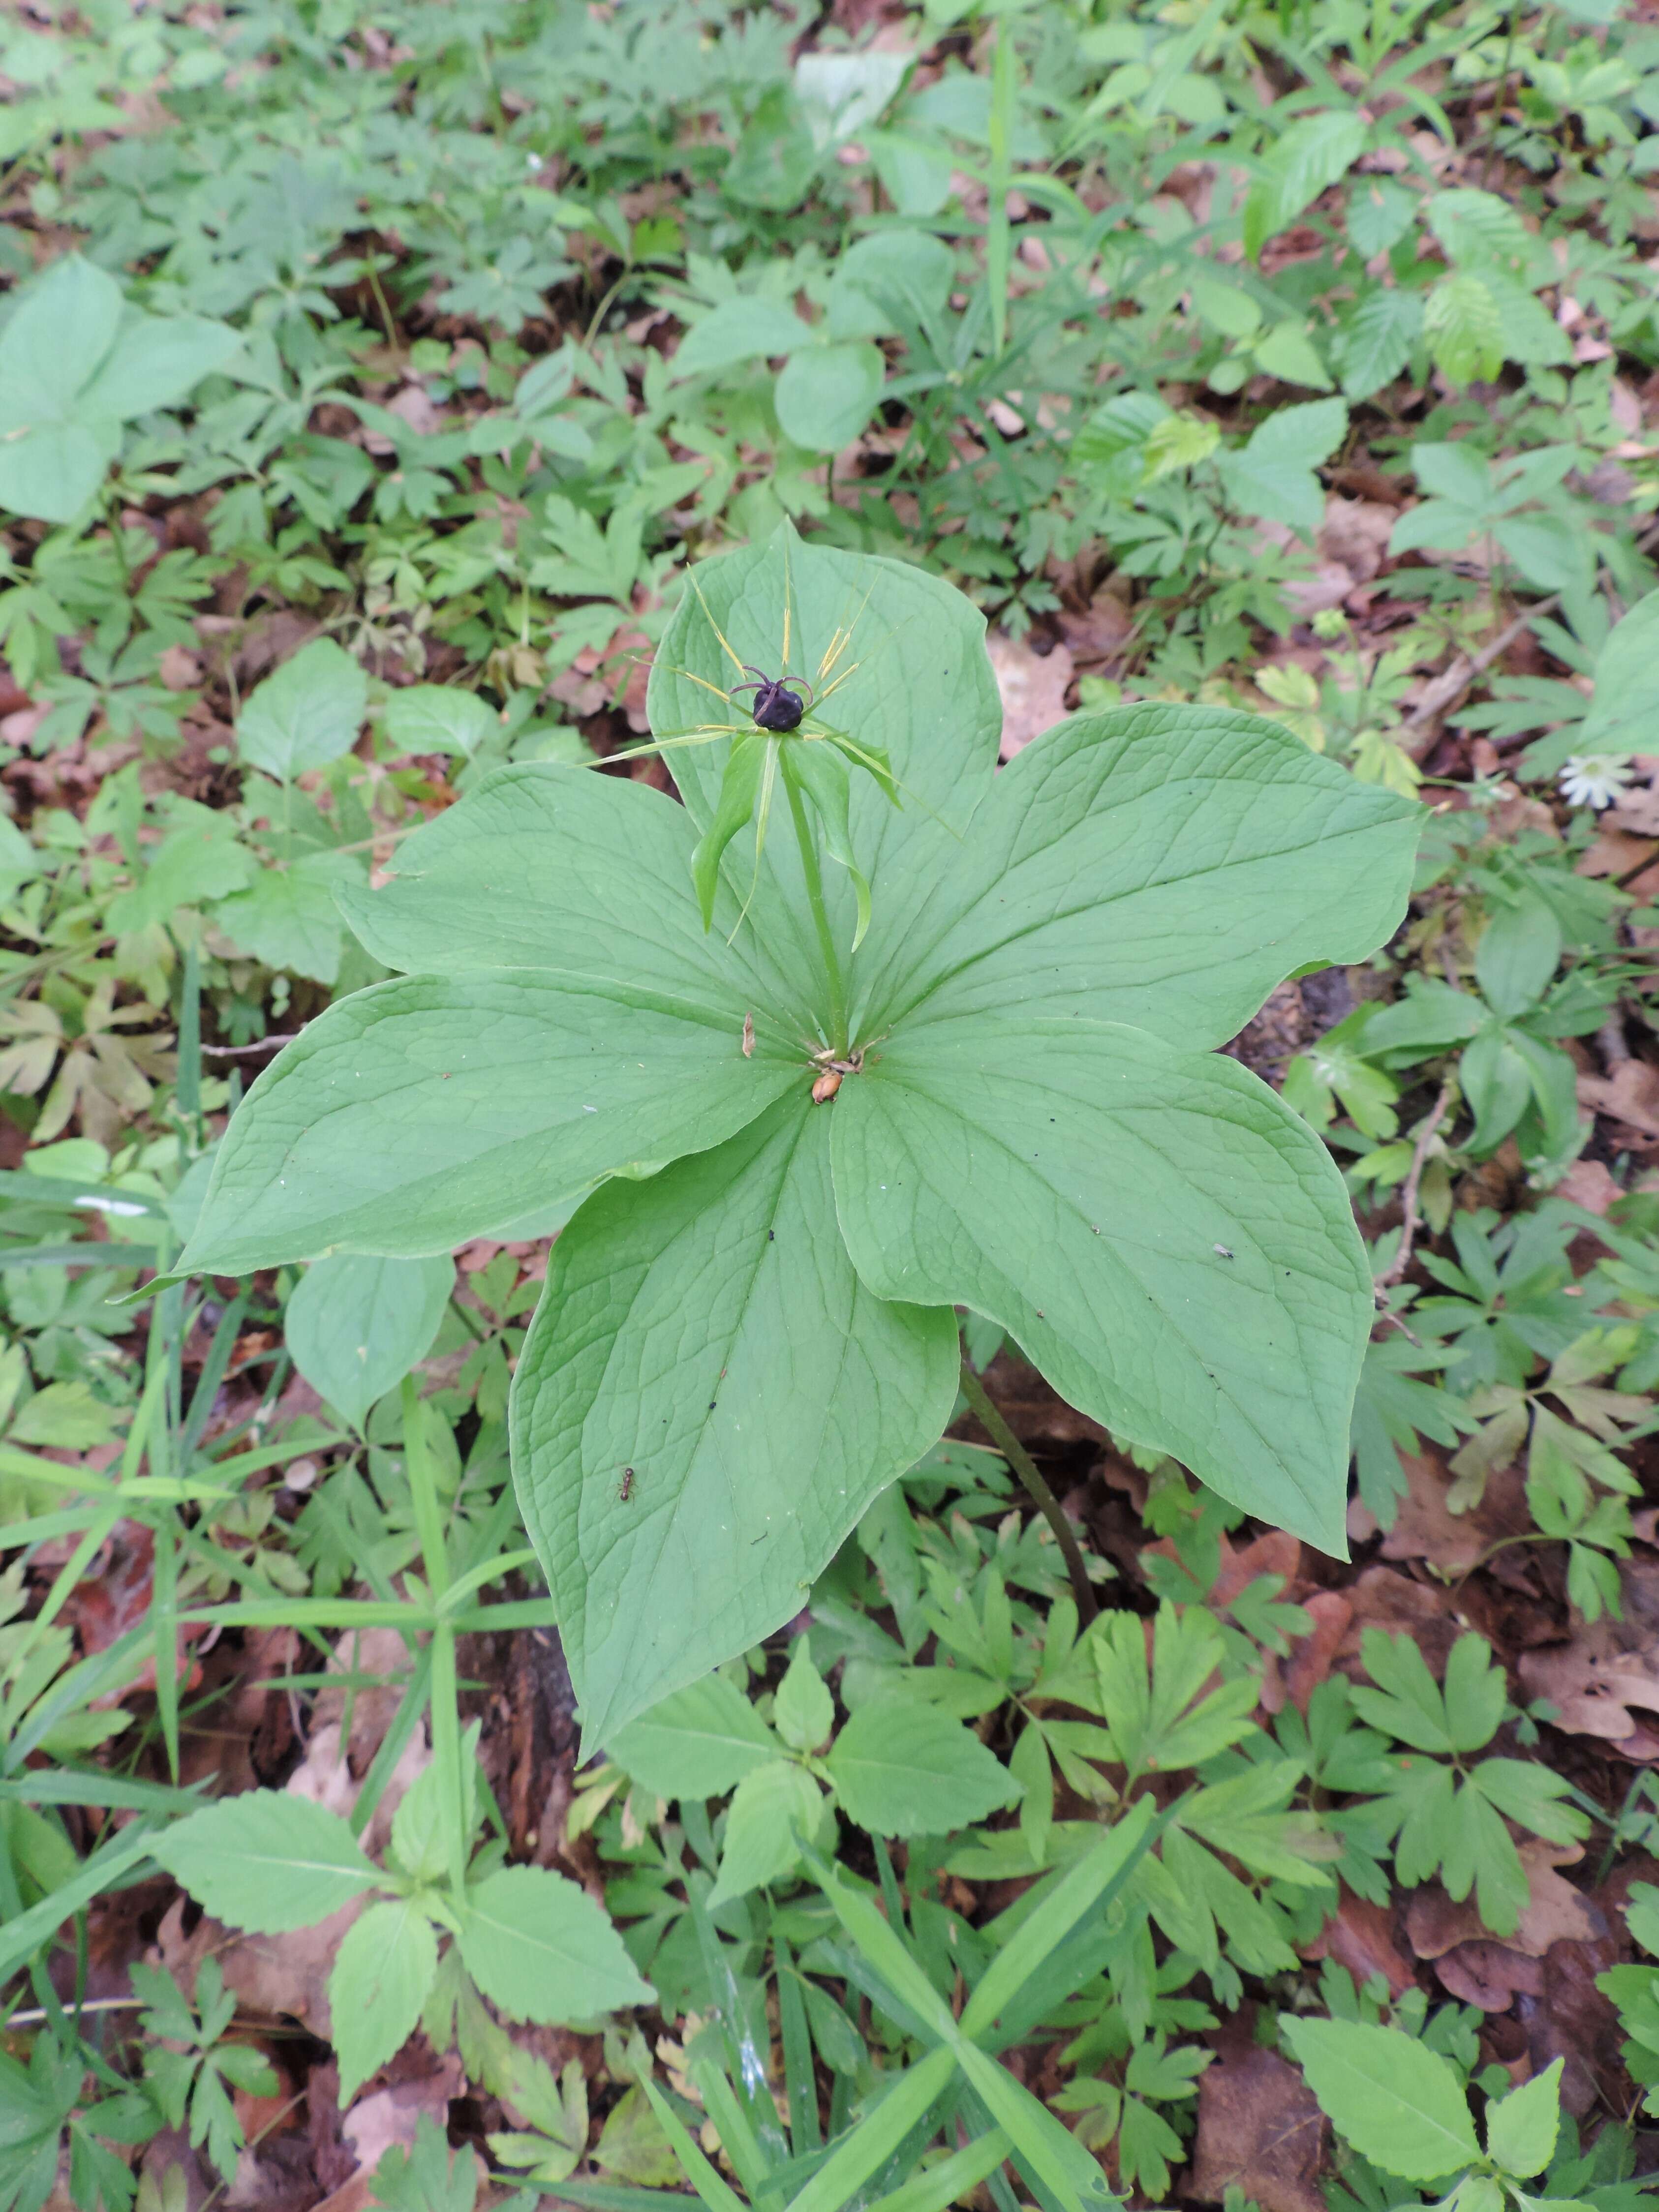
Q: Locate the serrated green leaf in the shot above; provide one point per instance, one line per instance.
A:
(266, 1861)
(1522, 2128)
(1272, 474)
(288, 916)
(1399, 2103)
(438, 718)
(803, 1710)
(540, 1948)
(770, 1806)
(1464, 326)
(722, 1290)
(749, 329)
(1307, 158)
(382, 1972)
(700, 1742)
(1376, 340)
(196, 863)
(903, 1768)
(307, 714)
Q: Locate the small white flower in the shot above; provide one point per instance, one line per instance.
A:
(1594, 780)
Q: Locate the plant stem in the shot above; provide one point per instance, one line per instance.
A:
(1026, 1468)
(445, 1712)
(808, 861)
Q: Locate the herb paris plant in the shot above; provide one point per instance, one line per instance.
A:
(752, 1310)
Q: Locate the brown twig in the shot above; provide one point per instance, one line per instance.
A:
(1445, 690)
(1026, 1468)
(1410, 1219)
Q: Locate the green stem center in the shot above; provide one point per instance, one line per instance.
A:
(839, 1037)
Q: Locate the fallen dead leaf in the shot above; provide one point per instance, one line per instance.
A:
(1588, 1183)
(1574, 2022)
(389, 2117)
(1259, 2131)
(1033, 687)
(1359, 1936)
(1555, 1912)
(1488, 1974)
(1630, 1094)
(1383, 1598)
(1604, 1683)
(270, 1976)
(115, 1599)
(1310, 1656)
(1329, 584)
(1426, 1529)
(1095, 634)
(1356, 531)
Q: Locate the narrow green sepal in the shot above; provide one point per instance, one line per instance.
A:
(739, 790)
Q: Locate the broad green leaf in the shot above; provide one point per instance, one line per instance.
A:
(826, 394)
(74, 366)
(888, 280)
(155, 361)
(439, 718)
(559, 869)
(803, 1710)
(1288, 353)
(1517, 955)
(1626, 706)
(749, 329)
(1119, 867)
(19, 862)
(775, 160)
(706, 1329)
(898, 661)
(1272, 474)
(193, 864)
(700, 1742)
(1376, 340)
(540, 1949)
(1399, 2103)
(1464, 326)
(1522, 2128)
(770, 1806)
(903, 1768)
(289, 916)
(841, 94)
(356, 1325)
(266, 1861)
(1307, 157)
(1380, 213)
(382, 1972)
(420, 1112)
(306, 714)
(1167, 1240)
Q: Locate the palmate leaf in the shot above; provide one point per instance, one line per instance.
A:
(1026, 1122)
